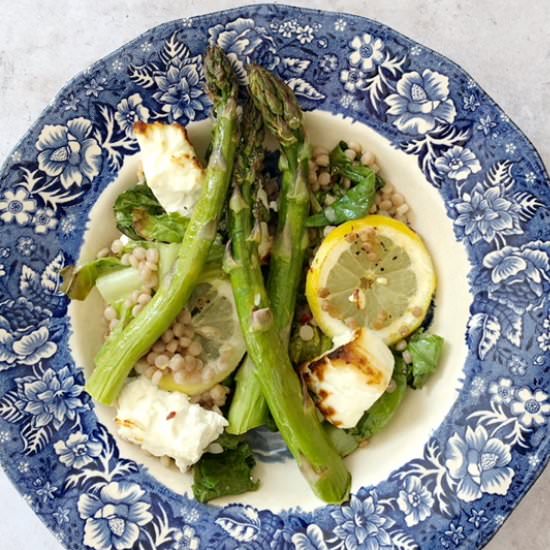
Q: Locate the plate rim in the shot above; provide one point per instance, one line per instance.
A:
(251, 10)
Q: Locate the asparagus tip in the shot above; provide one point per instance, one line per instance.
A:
(221, 81)
(277, 104)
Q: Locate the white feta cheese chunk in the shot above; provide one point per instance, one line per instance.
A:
(347, 380)
(166, 423)
(171, 166)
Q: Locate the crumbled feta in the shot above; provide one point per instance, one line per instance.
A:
(166, 423)
(347, 380)
(171, 166)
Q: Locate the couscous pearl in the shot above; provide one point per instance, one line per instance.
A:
(102, 253)
(185, 317)
(323, 293)
(150, 371)
(139, 253)
(151, 356)
(407, 357)
(417, 311)
(168, 336)
(151, 265)
(178, 329)
(385, 204)
(144, 298)
(188, 331)
(161, 361)
(355, 146)
(133, 260)
(403, 209)
(110, 313)
(140, 368)
(319, 150)
(189, 361)
(185, 342)
(322, 160)
(152, 255)
(401, 345)
(179, 377)
(350, 153)
(156, 378)
(195, 348)
(306, 333)
(159, 346)
(397, 199)
(117, 246)
(113, 323)
(172, 346)
(367, 158)
(176, 362)
(324, 179)
(388, 188)
(125, 260)
(136, 310)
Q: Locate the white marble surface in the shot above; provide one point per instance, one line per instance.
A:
(503, 44)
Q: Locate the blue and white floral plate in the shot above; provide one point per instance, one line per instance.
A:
(460, 454)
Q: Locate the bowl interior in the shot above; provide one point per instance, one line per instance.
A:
(282, 485)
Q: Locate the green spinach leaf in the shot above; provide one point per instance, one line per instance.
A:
(301, 350)
(354, 203)
(383, 410)
(227, 473)
(425, 350)
(139, 215)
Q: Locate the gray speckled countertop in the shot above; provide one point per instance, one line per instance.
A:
(504, 46)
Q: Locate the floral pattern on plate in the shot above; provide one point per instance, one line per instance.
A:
(494, 442)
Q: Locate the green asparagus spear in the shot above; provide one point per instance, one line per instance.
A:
(117, 357)
(293, 411)
(248, 408)
(283, 117)
(383, 410)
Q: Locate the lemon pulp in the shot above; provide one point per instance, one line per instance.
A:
(216, 325)
(374, 272)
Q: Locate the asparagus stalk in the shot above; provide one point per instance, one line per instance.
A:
(248, 408)
(117, 357)
(293, 411)
(282, 115)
